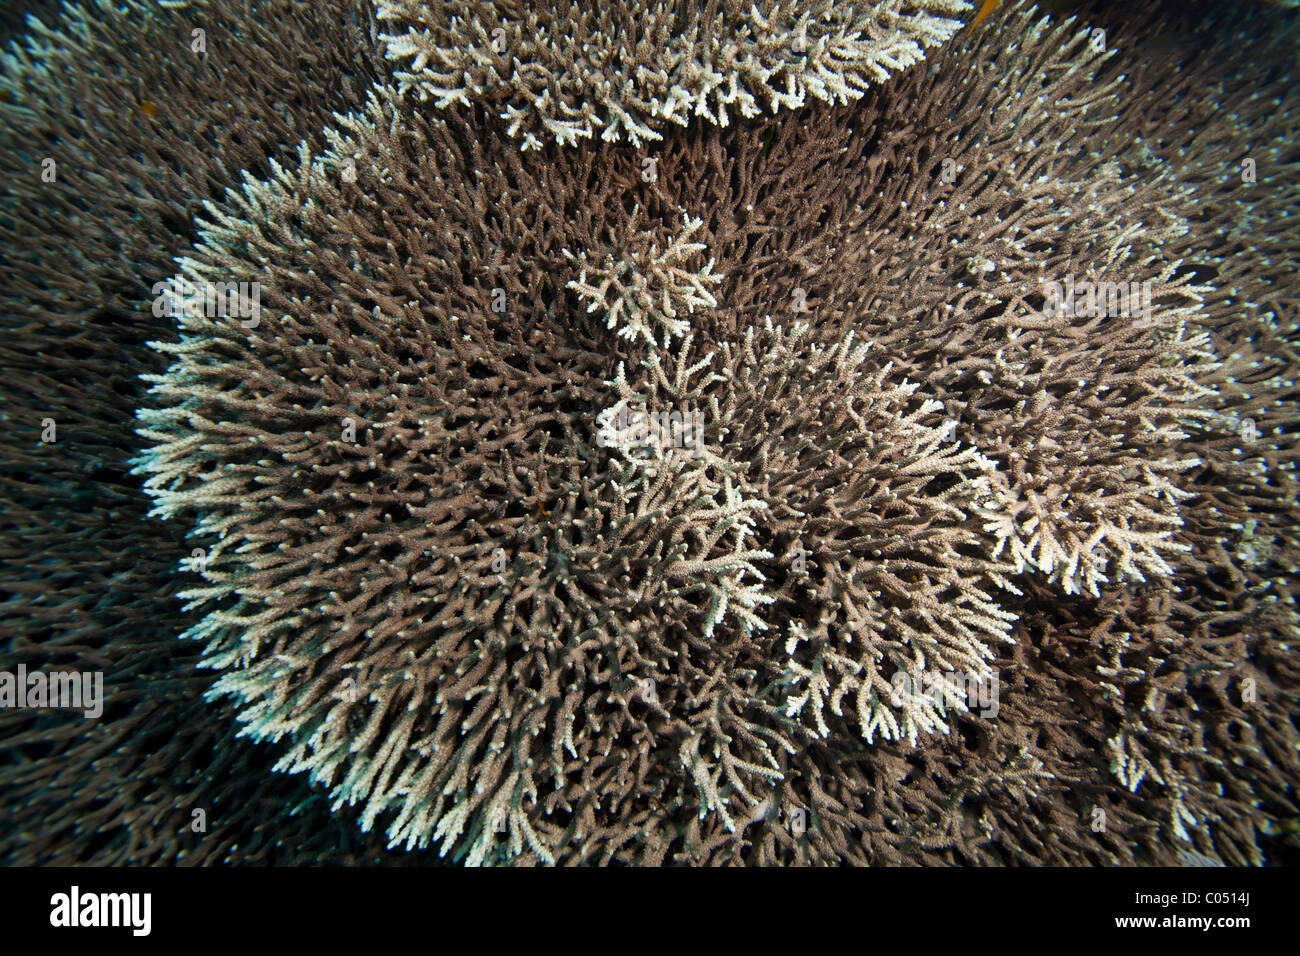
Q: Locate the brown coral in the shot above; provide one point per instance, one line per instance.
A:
(464, 563)
(619, 661)
(567, 71)
(88, 581)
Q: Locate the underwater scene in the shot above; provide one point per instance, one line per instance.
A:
(654, 433)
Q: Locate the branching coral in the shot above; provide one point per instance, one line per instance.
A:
(535, 560)
(838, 465)
(86, 580)
(556, 512)
(567, 71)
(644, 293)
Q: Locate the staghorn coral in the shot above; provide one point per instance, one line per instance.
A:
(595, 573)
(87, 581)
(1204, 139)
(1076, 501)
(565, 71)
(511, 605)
(669, 559)
(14, 14)
(831, 455)
(651, 289)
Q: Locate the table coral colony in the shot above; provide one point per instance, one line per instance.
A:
(765, 433)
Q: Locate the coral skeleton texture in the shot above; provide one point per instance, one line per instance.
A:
(645, 292)
(556, 513)
(568, 71)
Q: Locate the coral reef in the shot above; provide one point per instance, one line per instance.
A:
(86, 579)
(566, 71)
(667, 496)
